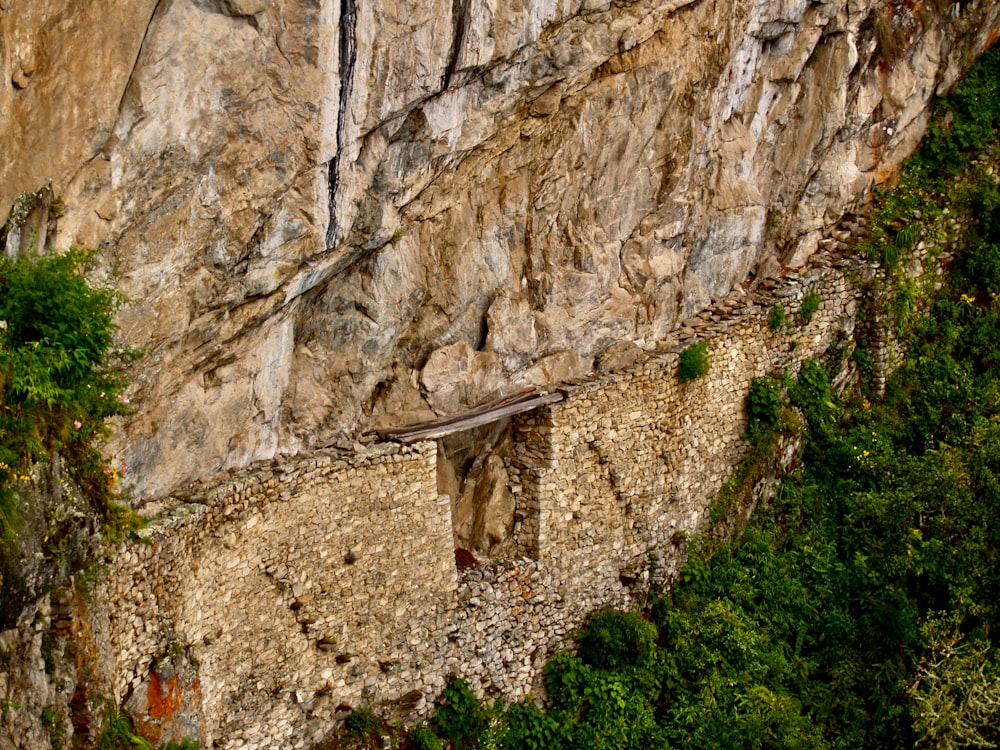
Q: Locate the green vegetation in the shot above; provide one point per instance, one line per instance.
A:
(765, 401)
(423, 738)
(693, 362)
(60, 377)
(362, 722)
(810, 304)
(52, 722)
(117, 732)
(777, 318)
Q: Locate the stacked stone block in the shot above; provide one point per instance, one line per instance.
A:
(289, 592)
(295, 588)
(625, 462)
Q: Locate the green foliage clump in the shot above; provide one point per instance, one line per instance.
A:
(810, 304)
(530, 728)
(117, 732)
(616, 640)
(60, 374)
(967, 121)
(362, 723)
(459, 717)
(777, 318)
(52, 723)
(423, 738)
(694, 362)
(766, 398)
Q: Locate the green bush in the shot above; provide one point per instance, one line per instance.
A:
(529, 728)
(813, 393)
(777, 318)
(60, 373)
(616, 640)
(459, 717)
(810, 304)
(362, 722)
(967, 120)
(764, 403)
(424, 739)
(693, 362)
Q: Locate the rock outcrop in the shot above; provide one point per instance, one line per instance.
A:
(329, 213)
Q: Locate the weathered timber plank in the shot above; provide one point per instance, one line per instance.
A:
(477, 417)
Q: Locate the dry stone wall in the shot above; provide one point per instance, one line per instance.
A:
(289, 590)
(630, 462)
(263, 607)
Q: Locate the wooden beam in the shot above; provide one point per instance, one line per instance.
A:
(478, 416)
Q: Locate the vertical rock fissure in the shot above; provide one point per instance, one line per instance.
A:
(346, 56)
(459, 21)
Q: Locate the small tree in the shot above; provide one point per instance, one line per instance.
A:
(956, 693)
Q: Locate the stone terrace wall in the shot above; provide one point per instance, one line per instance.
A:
(605, 479)
(625, 462)
(282, 593)
(264, 606)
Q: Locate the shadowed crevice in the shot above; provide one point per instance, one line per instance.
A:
(347, 55)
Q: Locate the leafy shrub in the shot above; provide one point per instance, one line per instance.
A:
(810, 304)
(459, 717)
(424, 739)
(615, 640)
(60, 375)
(973, 118)
(956, 696)
(529, 728)
(362, 722)
(813, 393)
(764, 402)
(777, 318)
(117, 732)
(693, 362)
(184, 744)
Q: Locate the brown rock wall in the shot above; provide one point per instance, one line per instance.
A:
(310, 203)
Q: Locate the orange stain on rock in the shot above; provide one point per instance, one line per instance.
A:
(163, 698)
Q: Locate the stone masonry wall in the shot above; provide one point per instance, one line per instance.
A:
(626, 462)
(264, 606)
(288, 591)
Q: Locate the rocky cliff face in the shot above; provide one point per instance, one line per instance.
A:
(335, 214)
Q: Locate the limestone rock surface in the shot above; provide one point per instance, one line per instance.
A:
(323, 209)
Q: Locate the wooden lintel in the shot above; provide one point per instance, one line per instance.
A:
(477, 417)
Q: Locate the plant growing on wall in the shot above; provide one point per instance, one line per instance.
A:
(765, 400)
(693, 362)
(60, 375)
(777, 318)
(810, 304)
